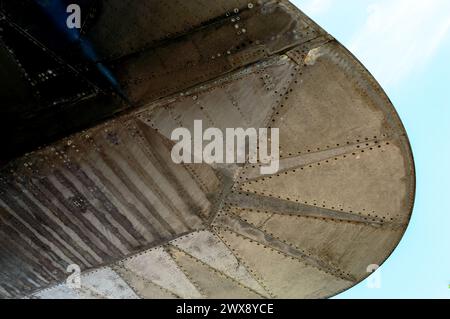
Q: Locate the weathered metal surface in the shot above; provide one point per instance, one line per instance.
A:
(111, 200)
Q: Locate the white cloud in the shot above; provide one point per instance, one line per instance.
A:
(314, 7)
(401, 36)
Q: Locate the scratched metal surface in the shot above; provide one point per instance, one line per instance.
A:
(110, 199)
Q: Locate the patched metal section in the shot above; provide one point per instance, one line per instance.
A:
(210, 250)
(158, 267)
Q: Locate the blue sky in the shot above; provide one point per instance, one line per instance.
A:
(405, 44)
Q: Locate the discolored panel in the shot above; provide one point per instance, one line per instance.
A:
(327, 106)
(336, 243)
(159, 267)
(143, 287)
(210, 250)
(211, 283)
(352, 183)
(106, 282)
(64, 292)
(293, 279)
